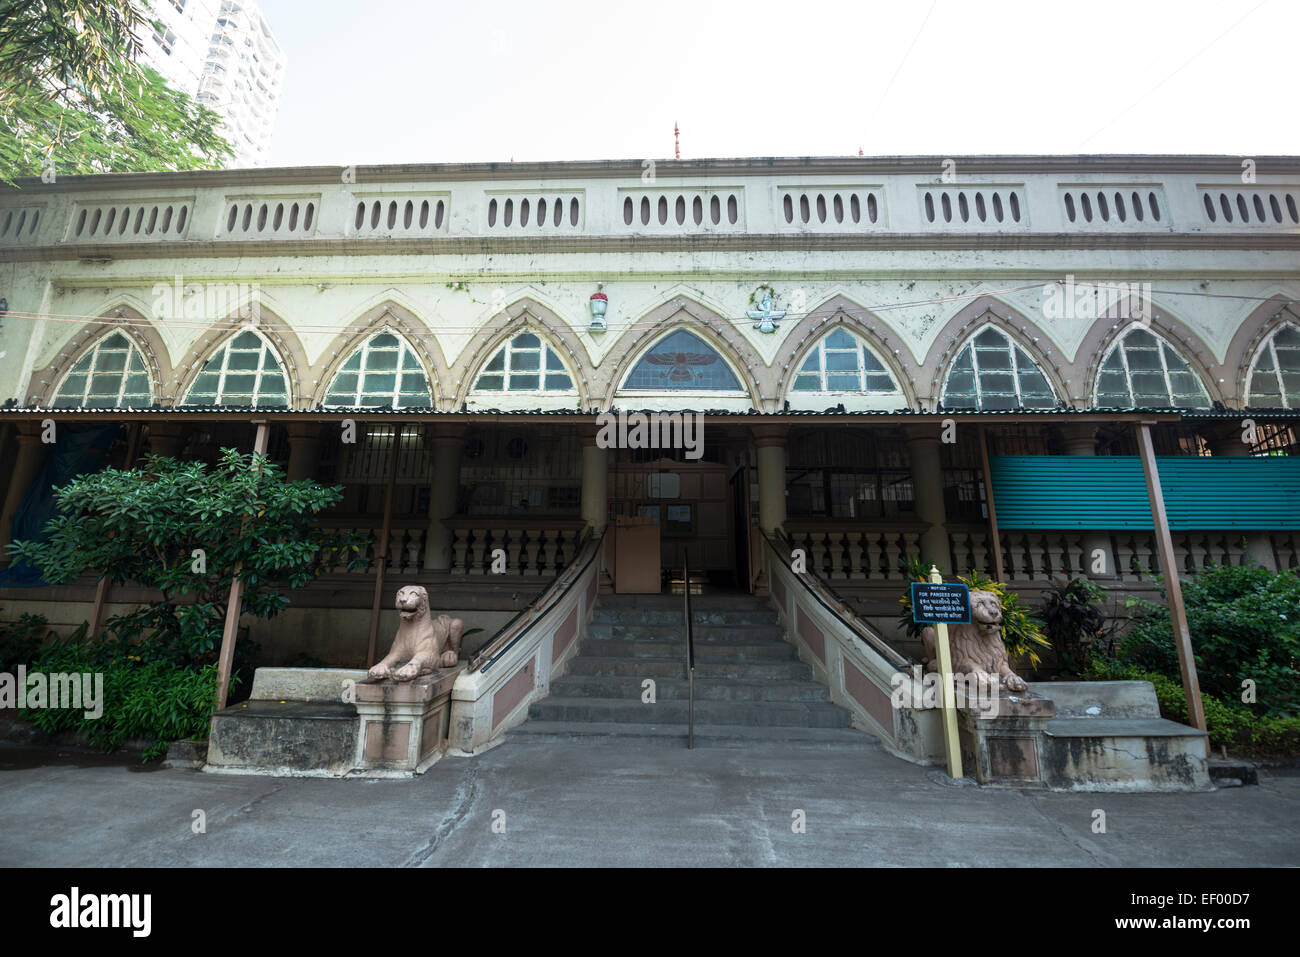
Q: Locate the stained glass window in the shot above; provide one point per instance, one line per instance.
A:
(245, 371)
(992, 372)
(1142, 371)
(1274, 381)
(525, 364)
(840, 362)
(383, 371)
(111, 375)
(682, 361)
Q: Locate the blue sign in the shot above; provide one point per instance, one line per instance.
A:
(932, 604)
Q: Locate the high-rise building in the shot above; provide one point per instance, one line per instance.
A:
(223, 53)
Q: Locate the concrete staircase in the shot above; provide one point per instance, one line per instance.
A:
(750, 685)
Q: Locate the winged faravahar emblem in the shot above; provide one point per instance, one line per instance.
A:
(681, 363)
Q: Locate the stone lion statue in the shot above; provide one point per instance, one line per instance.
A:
(423, 643)
(977, 648)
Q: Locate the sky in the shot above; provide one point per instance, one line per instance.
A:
(403, 81)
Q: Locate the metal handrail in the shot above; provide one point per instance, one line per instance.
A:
(535, 612)
(833, 603)
(690, 655)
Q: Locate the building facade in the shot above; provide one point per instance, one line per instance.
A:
(885, 353)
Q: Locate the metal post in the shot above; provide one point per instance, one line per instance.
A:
(995, 537)
(381, 548)
(951, 742)
(231, 630)
(1173, 587)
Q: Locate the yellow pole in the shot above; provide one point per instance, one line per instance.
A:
(951, 743)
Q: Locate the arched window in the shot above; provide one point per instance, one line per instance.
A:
(111, 375)
(383, 371)
(525, 364)
(682, 361)
(992, 372)
(841, 362)
(1142, 371)
(1274, 380)
(245, 371)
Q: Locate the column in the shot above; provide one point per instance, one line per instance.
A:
(769, 441)
(28, 460)
(165, 439)
(445, 443)
(1225, 439)
(304, 450)
(595, 481)
(1080, 440)
(927, 487)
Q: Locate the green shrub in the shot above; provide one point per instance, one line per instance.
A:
(146, 694)
(1244, 623)
(1229, 726)
(21, 640)
(1073, 619)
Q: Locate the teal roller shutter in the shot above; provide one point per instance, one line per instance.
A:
(1109, 492)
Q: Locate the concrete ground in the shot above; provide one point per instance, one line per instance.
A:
(622, 803)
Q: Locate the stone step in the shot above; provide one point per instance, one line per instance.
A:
(293, 735)
(704, 650)
(670, 689)
(675, 667)
(748, 713)
(706, 735)
(712, 632)
(1100, 699)
(674, 616)
(698, 602)
(1124, 754)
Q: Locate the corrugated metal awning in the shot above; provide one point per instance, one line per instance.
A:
(1109, 492)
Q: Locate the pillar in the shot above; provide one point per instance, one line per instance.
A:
(445, 443)
(29, 458)
(165, 439)
(927, 488)
(595, 481)
(1081, 440)
(769, 441)
(1225, 439)
(304, 450)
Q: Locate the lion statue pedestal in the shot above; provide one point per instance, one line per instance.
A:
(404, 703)
(1000, 721)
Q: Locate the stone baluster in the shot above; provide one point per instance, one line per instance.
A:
(980, 549)
(857, 569)
(459, 550)
(1037, 557)
(891, 550)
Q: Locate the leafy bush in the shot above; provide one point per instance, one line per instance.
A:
(21, 640)
(1229, 726)
(1021, 633)
(146, 694)
(187, 530)
(1244, 623)
(1073, 619)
